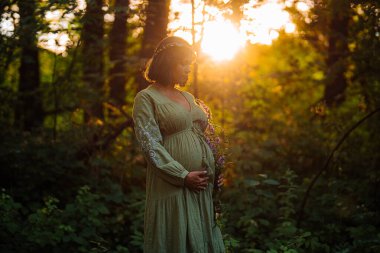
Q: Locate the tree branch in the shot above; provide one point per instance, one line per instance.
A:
(325, 167)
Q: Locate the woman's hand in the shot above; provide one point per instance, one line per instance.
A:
(196, 180)
(220, 181)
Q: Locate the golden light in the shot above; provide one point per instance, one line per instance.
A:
(54, 42)
(221, 40)
(261, 24)
(290, 27)
(302, 6)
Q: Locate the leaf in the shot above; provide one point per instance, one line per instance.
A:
(263, 175)
(267, 194)
(251, 182)
(271, 182)
(264, 222)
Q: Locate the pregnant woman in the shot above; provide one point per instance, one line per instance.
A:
(169, 125)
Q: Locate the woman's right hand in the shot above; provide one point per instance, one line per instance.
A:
(196, 180)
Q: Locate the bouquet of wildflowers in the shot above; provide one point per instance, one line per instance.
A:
(218, 148)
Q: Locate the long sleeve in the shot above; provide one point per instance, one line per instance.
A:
(149, 137)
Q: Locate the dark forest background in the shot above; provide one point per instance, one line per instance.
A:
(300, 119)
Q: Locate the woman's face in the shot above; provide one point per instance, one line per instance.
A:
(181, 71)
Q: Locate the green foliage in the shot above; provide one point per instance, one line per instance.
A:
(91, 222)
(57, 200)
(86, 224)
(263, 216)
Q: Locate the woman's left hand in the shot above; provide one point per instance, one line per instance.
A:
(220, 181)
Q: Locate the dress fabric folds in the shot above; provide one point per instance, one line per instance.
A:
(177, 220)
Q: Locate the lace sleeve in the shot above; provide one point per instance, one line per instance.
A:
(149, 137)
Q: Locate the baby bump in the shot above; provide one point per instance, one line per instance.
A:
(186, 149)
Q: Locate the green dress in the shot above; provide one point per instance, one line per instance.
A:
(177, 219)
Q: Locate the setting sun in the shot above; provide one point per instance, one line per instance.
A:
(221, 40)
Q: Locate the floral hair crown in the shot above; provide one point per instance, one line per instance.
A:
(170, 45)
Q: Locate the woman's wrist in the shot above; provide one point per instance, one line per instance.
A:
(184, 175)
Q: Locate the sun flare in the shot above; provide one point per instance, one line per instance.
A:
(221, 40)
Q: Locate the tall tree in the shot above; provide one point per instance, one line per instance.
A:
(29, 112)
(118, 52)
(337, 51)
(327, 27)
(155, 29)
(93, 61)
(7, 43)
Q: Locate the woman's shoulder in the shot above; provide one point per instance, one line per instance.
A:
(144, 94)
(151, 96)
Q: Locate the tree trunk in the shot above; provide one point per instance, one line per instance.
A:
(6, 45)
(93, 61)
(118, 52)
(156, 23)
(337, 52)
(29, 113)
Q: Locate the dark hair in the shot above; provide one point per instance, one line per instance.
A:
(169, 53)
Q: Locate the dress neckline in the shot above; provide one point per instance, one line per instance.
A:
(173, 101)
